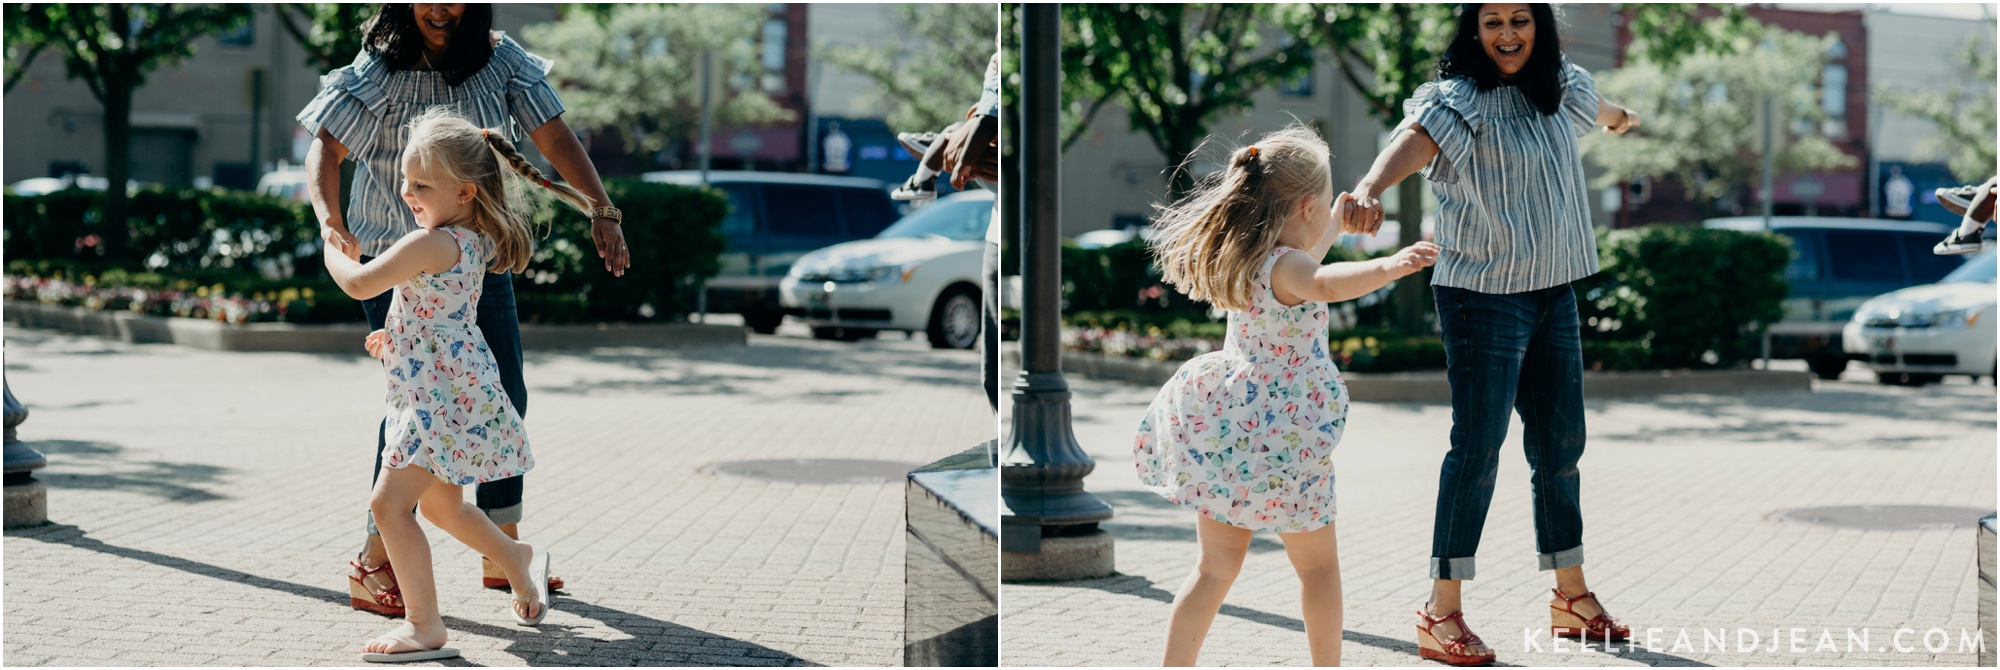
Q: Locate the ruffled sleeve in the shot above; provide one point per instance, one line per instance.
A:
(530, 98)
(1446, 111)
(1579, 103)
(349, 105)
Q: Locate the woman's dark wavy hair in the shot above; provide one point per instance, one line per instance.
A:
(1541, 80)
(392, 34)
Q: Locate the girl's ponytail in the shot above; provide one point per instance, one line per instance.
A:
(1211, 243)
(504, 148)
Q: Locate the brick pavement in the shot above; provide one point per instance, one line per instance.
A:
(204, 504)
(1679, 495)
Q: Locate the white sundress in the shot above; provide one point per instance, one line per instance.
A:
(1245, 435)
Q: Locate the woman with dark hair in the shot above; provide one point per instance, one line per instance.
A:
(1497, 135)
(415, 58)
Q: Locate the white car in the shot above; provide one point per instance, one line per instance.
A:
(1918, 335)
(921, 274)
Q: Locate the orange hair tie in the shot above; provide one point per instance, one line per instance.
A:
(488, 134)
(1253, 151)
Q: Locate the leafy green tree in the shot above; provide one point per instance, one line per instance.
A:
(1704, 129)
(1665, 32)
(1175, 69)
(22, 44)
(329, 33)
(111, 48)
(636, 69)
(926, 81)
(1962, 112)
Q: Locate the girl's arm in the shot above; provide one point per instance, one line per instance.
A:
(424, 250)
(1297, 278)
(1407, 153)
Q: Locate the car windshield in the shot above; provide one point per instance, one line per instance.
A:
(1979, 270)
(962, 220)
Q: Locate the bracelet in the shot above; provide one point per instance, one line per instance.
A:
(608, 212)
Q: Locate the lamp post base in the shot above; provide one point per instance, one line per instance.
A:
(1063, 558)
(27, 503)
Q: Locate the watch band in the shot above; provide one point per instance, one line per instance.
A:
(608, 212)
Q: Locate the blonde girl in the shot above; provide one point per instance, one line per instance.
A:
(447, 411)
(1244, 436)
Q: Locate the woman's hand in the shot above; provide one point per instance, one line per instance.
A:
(340, 241)
(610, 238)
(377, 344)
(1411, 259)
(1362, 214)
(1627, 120)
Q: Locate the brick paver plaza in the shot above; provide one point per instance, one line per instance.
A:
(204, 504)
(1680, 494)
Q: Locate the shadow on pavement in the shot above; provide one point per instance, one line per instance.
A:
(175, 482)
(1747, 417)
(669, 373)
(651, 641)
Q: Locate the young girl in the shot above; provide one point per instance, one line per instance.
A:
(448, 414)
(1244, 436)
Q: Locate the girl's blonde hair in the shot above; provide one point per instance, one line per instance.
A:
(453, 150)
(1211, 243)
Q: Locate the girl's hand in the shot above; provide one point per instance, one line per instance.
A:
(377, 344)
(337, 246)
(1626, 121)
(1412, 258)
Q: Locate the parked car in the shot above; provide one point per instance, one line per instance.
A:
(1837, 264)
(47, 185)
(921, 274)
(1918, 335)
(289, 184)
(774, 218)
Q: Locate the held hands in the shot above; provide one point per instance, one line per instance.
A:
(1411, 259)
(340, 242)
(1626, 121)
(1357, 214)
(377, 344)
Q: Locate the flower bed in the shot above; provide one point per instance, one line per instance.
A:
(181, 299)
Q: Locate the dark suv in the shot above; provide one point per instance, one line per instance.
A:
(1837, 264)
(775, 217)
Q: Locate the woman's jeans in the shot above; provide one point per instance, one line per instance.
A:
(1510, 352)
(500, 323)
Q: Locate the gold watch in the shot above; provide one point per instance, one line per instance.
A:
(608, 212)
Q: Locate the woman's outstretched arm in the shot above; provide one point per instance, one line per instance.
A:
(1408, 152)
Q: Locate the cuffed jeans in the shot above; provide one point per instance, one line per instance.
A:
(501, 324)
(1504, 353)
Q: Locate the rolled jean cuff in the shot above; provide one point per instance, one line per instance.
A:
(1451, 568)
(1567, 558)
(512, 514)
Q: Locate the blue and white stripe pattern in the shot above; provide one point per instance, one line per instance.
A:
(1513, 213)
(366, 106)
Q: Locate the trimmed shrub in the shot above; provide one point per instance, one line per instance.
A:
(1691, 297)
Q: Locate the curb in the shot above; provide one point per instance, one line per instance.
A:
(1433, 388)
(344, 338)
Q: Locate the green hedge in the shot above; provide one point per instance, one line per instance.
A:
(1688, 297)
(195, 238)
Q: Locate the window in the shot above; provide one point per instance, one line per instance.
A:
(1833, 99)
(1300, 86)
(796, 209)
(1862, 255)
(241, 35)
(868, 211)
(1805, 258)
(742, 219)
(1926, 267)
(773, 55)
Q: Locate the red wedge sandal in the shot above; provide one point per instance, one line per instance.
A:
(1565, 622)
(492, 577)
(386, 602)
(1453, 652)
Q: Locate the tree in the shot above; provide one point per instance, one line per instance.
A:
(1962, 112)
(927, 80)
(1174, 68)
(1707, 132)
(329, 33)
(23, 45)
(636, 69)
(1663, 33)
(112, 47)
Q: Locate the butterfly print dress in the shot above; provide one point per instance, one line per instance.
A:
(1245, 435)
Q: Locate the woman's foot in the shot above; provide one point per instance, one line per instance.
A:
(1581, 616)
(1446, 638)
(408, 643)
(372, 587)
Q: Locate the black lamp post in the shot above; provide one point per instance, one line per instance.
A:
(1048, 522)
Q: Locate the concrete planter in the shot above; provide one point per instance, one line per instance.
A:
(343, 338)
(1432, 387)
(951, 606)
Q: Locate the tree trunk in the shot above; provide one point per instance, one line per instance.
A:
(1179, 146)
(1412, 293)
(116, 229)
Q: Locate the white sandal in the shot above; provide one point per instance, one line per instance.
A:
(422, 653)
(538, 574)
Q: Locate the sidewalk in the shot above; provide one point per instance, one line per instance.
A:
(1679, 495)
(205, 504)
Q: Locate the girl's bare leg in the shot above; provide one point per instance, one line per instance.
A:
(445, 506)
(397, 491)
(1222, 548)
(1316, 557)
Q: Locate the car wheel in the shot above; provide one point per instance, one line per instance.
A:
(1907, 379)
(763, 323)
(955, 319)
(1827, 367)
(840, 334)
